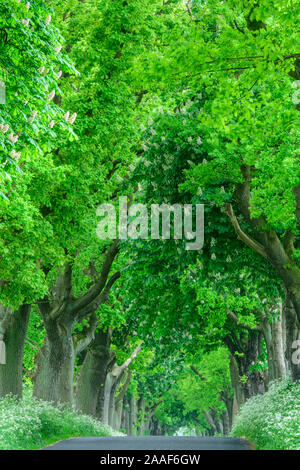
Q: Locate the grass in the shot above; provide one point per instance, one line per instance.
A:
(272, 421)
(31, 424)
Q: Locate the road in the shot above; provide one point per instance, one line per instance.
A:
(151, 443)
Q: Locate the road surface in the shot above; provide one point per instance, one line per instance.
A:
(151, 443)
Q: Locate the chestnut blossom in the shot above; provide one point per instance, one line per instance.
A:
(51, 95)
(72, 118)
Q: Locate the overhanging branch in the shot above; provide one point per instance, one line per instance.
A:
(253, 244)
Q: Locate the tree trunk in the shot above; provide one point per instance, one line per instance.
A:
(54, 363)
(127, 420)
(228, 399)
(60, 311)
(107, 397)
(113, 378)
(118, 413)
(239, 397)
(119, 403)
(141, 416)
(66, 381)
(292, 338)
(132, 416)
(226, 423)
(14, 337)
(216, 420)
(111, 406)
(277, 334)
(91, 378)
(245, 353)
(123, 419)
(210, 422)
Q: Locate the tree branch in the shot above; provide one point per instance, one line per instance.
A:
(236, 321)
(124, 388)
(82, 343)
(103, 297)
(118, 370)
(193, 368)
(253, 244)
(97, 288)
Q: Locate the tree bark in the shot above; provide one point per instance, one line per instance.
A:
(14, 334)
(226, 423)
(228, 399)
(141, 416)
(244, 352)
(106, 408)
(53, 379)
(132, 416)
(292, 337)
(60, 311)
(91, 378)
(274, 340)
(119, 403)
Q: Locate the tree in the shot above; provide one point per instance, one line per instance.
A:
(32, 64)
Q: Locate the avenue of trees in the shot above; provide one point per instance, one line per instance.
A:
(164, 102)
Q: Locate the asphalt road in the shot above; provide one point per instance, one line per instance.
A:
(151, 443)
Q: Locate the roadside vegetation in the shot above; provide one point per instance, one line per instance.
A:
(32, 424)
(272, 421)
